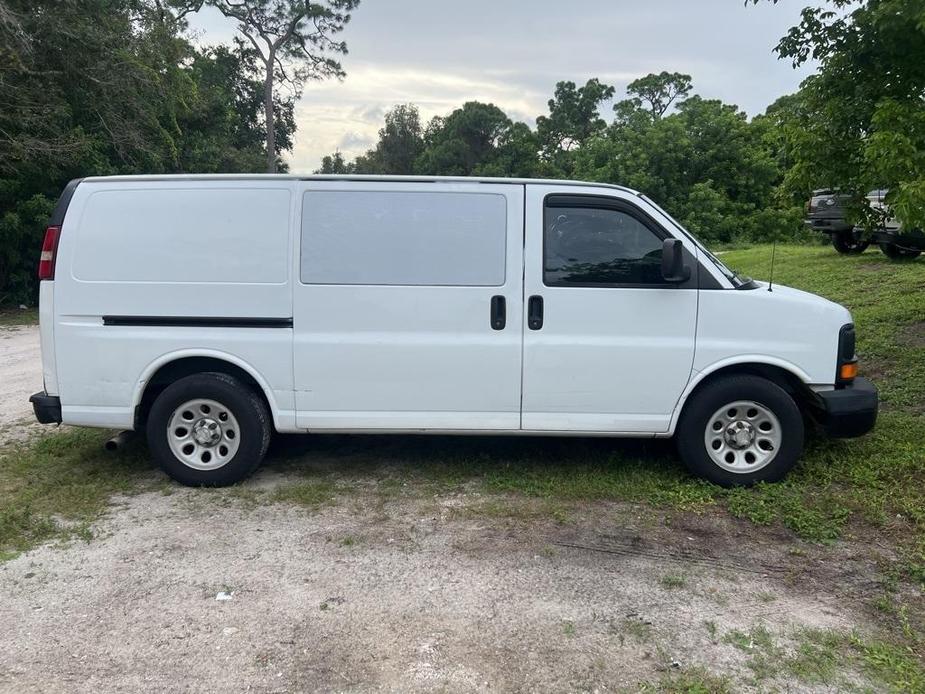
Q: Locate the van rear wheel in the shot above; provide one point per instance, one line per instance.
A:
(208, 429)
(740, 430)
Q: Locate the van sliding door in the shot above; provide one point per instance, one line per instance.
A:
(408, 306)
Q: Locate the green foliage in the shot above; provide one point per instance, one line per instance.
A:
(97, 87)
(223, 129)
(477, 139)
(335, 164)
(658, 92)
(573, 119)
(400, 143)
(706, 164)
(21, 230)
(861, 121)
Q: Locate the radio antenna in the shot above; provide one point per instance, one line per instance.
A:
(771, 277)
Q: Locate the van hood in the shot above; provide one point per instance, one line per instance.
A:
(807, 301)
(787, 327)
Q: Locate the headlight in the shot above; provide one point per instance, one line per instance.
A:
(847, 367)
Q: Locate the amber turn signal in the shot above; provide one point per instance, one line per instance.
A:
(848, 372)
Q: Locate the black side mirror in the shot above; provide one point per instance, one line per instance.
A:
(673, 267)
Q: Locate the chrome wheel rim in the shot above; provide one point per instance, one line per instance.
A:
(203, 434)
(743, 436)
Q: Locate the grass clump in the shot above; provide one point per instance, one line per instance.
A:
(56, 487)
(693, 680)
(13, 317)
(817, 657)
(310, 494)
(672, 581)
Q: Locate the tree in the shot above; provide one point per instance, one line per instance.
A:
(860, 123)
(706, 164)
(400, 142)
(659, 91)
(573, 115)
(334, 164)
(223, 127)
(475, 140)
(462, 141)
(294, 41)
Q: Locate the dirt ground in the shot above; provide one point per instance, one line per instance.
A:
(20, 377)
(198, 590)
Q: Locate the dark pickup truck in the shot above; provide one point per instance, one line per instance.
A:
(826, 213)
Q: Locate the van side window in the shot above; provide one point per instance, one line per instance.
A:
(403, 238)
(588, 246)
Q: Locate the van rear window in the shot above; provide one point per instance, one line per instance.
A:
(403, 238)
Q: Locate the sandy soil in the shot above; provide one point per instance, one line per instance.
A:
(416, 593)
(20, 377)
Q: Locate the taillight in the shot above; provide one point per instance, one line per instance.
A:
(49, 252)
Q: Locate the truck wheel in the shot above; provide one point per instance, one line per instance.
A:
(208, 430)
(740, 430)
(849, 243)
(894, 252)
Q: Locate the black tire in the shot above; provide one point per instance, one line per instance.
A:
(894, 252)
(246, 407)
(848, 243)
(691, 433)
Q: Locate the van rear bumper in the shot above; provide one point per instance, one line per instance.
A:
(850, 411)
(47, 408)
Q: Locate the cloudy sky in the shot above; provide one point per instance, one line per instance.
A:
(438, 54)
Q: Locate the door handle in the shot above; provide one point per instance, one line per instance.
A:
(498, 313)
(535, 313)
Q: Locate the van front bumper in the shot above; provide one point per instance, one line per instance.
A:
(47, 408)
(850, 411)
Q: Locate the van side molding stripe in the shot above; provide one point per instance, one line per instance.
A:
(197, 322)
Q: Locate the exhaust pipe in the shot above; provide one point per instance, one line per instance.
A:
(119, 441)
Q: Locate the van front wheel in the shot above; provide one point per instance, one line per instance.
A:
(740, 430)
(208, 429)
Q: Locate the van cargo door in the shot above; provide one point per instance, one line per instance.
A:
(408, 306)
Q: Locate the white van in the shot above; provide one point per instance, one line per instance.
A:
(213, 310)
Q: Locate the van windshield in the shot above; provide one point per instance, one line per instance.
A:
(733, 276)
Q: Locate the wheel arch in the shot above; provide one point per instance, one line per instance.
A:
(176, 365)
(788, 376)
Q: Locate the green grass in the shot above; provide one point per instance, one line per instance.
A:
(310, 493)
(672, 581)
(694, 680)
(55, 488)
(818, 656)
(10, 316)
(828, 657)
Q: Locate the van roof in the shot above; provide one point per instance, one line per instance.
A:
(355, 177)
